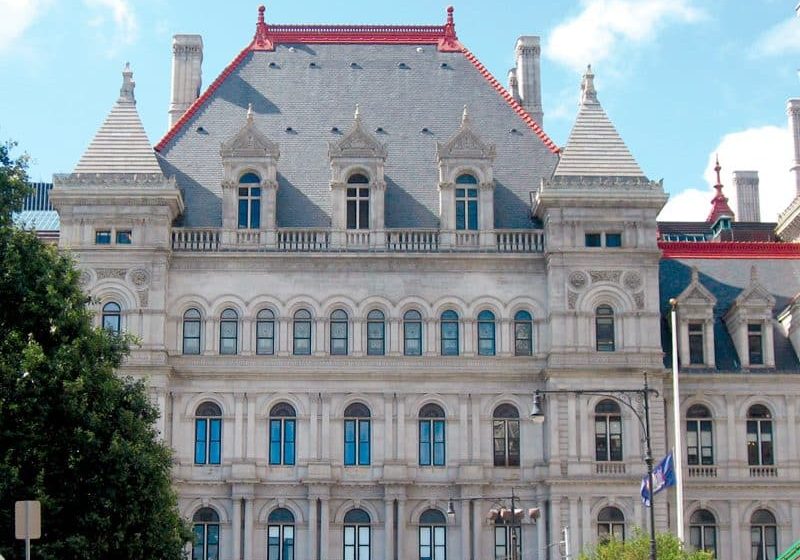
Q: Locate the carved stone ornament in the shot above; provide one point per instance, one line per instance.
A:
(572, 299)
(638, 297)
(86, 278)
(602, 182)
(605, 276)
(357, 143)
(632, 280)
(465, 144)
(139, 277)
(250, 142)
(578, 280)
(144, 297)
(118, 273)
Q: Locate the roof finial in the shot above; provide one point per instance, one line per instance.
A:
(126, 91)
(464, 117)
(719, 204)
(695, 275)
(450, 15)
(261, 39)
(249, 113)
(357, 116)
(718, 168)
(588, 93)
(261, 10)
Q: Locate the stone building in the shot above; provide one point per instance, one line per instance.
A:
(354, 257)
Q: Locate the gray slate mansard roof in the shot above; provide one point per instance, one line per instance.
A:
(726, 279)
(313, 100)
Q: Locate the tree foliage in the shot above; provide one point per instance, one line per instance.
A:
(72, 433)
(668, 547)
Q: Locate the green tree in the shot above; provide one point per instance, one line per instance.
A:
(73, 434)
(668, 547)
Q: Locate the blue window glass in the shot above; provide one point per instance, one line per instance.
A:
(102, 237)
(112, 317)
(282, 435)
(215, 441)
(208, 434)
(275, 429)
(205, 528)
(200, 439)
(449, 332)
(486, 346)
(431, 436)
(249, 214)
(432, 535)
(466, 203)
(124, 237)
(356, 538)
(376, 333)
(280, 535)
(357, 435)
(412, 333)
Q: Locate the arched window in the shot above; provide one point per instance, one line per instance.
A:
(759, 436)
(607, 431)
(191, 331)
(302, 333)
(703, 531)
(486, 333)
(249, 201)
(431, 436)
(205, 525)
(339, 333)
(228, 332)
(448, 323)
(432, 535)
(282, 434)
(412, 333)
(376, 333)
(763, 536)
(112, 317)
(467, 202)
(357, 202)
(523, 334)
(265, 332)
(604, 328)
(357, 543)
(280, 535)
(505, 436)
(357, 435)
(208, 434)
(611, 524)
(699, 436)
(507, 538)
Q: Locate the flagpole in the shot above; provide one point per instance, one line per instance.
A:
(676, 414)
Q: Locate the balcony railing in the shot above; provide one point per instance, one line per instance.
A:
(763, 472)
(390, 240)
(702, 472)
(611, 467)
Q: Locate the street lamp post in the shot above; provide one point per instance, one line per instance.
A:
(626, 397)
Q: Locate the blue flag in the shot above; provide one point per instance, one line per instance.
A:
(663, 477)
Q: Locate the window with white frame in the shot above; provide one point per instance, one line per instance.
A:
(357, 535)
(280, 535)
(466, 202)
(611, 524)
(763, 536)
(192, 321)
(357, 202)
(703, 531)
(432, 535)
(523, 334)
(338, 340)
(505, 436)
(302, 333)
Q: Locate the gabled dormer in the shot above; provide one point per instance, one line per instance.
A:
(695, 314)
(249, 182)
(466, 186)
(749, 323)
(358, 187)
(790, 320)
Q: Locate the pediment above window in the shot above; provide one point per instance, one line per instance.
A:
(755, 295)
(357, 143)
(465, 144)
(696, 297)
(250, 143)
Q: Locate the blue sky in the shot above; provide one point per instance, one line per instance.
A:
(681, 79)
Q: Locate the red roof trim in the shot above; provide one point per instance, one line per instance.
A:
(729, 250)
(518, 109)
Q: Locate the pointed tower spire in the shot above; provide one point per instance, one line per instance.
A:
(588, 93)
(719, 204)
(126, 91)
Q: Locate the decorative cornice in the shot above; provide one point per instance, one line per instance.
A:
(728, 250)
(146, 180)
(601, 182)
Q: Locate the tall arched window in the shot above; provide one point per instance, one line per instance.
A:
(249, 201)
(507, 538)
(505, 436)
(265, 332)
(208, 434)
(280, 535)
(112, 317)
(604, 328)
(466, 202)
(357, 435)
(228, 332)
(376, 333)
(357, 202)
(699, 436)
(339, 333)
(759, 436)
(302, 333)
(703, 531)
(282, 434)
(611, 524)
(357, 542)
(486, 345)
(432, 535)
(607, 431)
(412, 333)
(763, 536)
(448, 324)
(205, 525)
(191, 331)
(523, 334)
(431, 436)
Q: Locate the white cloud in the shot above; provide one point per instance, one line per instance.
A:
(781, 39)
(595, 34)
(123, 28)
(17, 16)
(764, 149)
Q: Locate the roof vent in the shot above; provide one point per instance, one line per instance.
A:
(291, 49)
(444, 65)
(312, 65)
(380, 130)
(514, 131)
(355, 65)
(420, 49)
(290, 130)
(201, 130)
(273, 65)
(403, 66)
(335, 129)
(425, 130)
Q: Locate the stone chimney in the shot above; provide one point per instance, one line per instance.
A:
(529, 77)
(746, 185)
(793, 110)
(187, 62)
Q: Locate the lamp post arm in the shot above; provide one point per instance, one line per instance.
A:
(619, 395)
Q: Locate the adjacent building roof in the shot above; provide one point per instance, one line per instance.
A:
(594, 147)
(121, 144)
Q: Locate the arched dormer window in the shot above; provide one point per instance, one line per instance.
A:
(604, 328)
(357, 201)
(249, 201)
(112, 317)
(466, 202)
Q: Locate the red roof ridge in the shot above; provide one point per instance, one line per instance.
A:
(729, 250)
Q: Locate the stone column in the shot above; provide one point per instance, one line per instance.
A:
(236, 528)
(465, 536)
(401, 527)
(248, 529)
(311, 551)
(250, 452)
(324, 527)
(238, 425)
(388, 527)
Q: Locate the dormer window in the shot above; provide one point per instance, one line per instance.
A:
(755, 344)
(696, 345)
(466, 202)
(749, 322)
(249, 201)
(357, 202)
(695, 320)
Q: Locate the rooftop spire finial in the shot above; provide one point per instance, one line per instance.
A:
(261, 39)
(719, 204)
(450, 15)
(261, 10)
(126, 91)
(588, 93)
(357, 116)
(465, 117)
(249, 113)
(718, 168)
